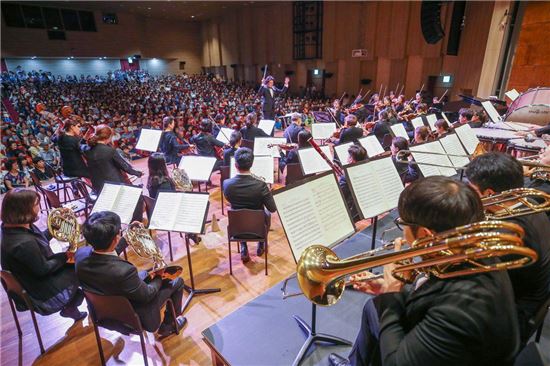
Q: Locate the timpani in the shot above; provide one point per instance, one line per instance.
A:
(521, 148)
(494, 139)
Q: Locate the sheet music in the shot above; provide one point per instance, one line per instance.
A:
(197, 167)
(491, 111)
(166, 205)
(376, 186)
(322, 131)
(106, 197)
(261, 149)
(399, 130)
(432, 119)
(372, 145)
(429, 170)
(119, 199)
(224, 135)
(512, 94)
(468, 138)
(313, 213)
(149, 140)
(452, 146)
(417, 122)
(342, 152)
(266, 125)
(445, 118)
(262, 166)
(180, 211)
(312, 162)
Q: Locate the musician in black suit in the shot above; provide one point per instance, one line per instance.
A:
(292, 131)
(382, 126)
(292, 156)
(465, 320)
(408, 172)
(234, 143)
(246, 191)
(497, 172)
(269, 92)
(169, 144)
(356, 153)
(206, 143)
(250, 131)
(350, 132)
(103, 272)
(71, 147)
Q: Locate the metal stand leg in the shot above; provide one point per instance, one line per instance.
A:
(374, 225)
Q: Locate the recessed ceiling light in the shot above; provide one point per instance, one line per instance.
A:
(192, 16)
(33, 57)
(148, 8)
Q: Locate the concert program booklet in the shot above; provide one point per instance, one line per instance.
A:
(183, 212)
(262, 167)
(224, 135)
(261, 149)
(313, 211)
(443, 159)
(372, 145)
(120, 199)
(468, 137)
(342, 152)
(266, 125)
(322, 131)
(149, 140)
(399, 130)
(198, 168)
(375, 185)
(312, 162)
(451, 144)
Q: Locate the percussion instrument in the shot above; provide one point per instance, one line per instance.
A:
(520, 148)
(532, 106)
(493, 139)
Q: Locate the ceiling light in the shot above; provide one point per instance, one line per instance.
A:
(148, 8)
(32, 58)
(192, 16)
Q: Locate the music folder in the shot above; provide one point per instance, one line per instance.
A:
(491, 111)
(313, 211)
(432, 119)
(312, 162)
(399, 130)
(375, 185)
(439, 158)
(198, 168)
(372, 145)
(119, 198)
(322, 131)
(183, 212)
(266, 125)
(149, 140)
(452, 146)
(468, 137)
(262, 167)
(417, 122)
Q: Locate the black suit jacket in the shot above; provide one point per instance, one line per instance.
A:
(105, 165)
(469, 320)
(227, 154)
(71, 156)
(268, 101)
(250, 133)
(351, 134)
(170, 146)
(245, 191)
(205, 144)
(380, 129)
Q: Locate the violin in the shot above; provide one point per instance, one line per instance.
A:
(283, 146)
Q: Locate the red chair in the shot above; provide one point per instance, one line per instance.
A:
(225, 172)
(248, 226)
(116, 312)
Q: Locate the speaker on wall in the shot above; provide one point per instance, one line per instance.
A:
(430, 21)
(365, 81)
(457, 23)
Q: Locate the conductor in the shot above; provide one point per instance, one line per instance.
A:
(269, 91)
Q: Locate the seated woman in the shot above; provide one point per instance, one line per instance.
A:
(421, 134)
(442, 128)
(14, 177)
(250, 131)
(234, 143)
(356, 153)
(408, 172)
(50, 282)
(292, 155)
(206, 143)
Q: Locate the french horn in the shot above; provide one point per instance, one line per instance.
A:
(63, 225)
(181, 180)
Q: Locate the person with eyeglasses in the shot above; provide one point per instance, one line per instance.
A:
(465, 320)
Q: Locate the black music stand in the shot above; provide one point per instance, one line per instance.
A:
(314, 337)
(374, 223)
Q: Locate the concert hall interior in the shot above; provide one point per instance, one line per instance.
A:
(275, 183)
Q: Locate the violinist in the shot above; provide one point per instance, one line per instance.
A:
(292, 131)
(292, 155)
(234, 143)
(442, 128)
(382, 126)
(169, 144)
(464, 116)
(250, 131)
(336, 111)
(408, 172)
(206, 143)
(71, 147)
(350, 132)
(374, 99)
(421, 135)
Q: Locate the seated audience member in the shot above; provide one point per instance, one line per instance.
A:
(246, 191)
(355, 154)
(464, 320)
(169, 144)
(42, 171)
(34, 150)
(14, 177)
(50, 282)
(421, 134)
(49, 155)
(292, 155)
(408, 172)
(250, 131)
(292, 131)
(103, 272)
(350, 132)
(493, 173)
(442, 127)
(234, 143)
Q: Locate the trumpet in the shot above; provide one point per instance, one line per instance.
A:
(530, 201)
(456, 252)
(63, 225)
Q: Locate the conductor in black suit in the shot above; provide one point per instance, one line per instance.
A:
(269, 92)
(103, 272)
(247, 191)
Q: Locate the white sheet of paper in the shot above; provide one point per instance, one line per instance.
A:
(432, 119)
(322, 131)
(224, 135)
(429, 170)
(180, 211)
(312, 162)
(512, 94)
(417, 122)
(119, 199)
(149, 140)
(468, 138)
(266, 125)
(313, 213)
(376, 186)
(372, 145)
(342, 152)
(261, 149)
(263, 166)
(491, 111)
(452, 146)
(399, 130)
(445, 118)
(197, 167)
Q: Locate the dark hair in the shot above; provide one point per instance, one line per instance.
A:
(269, 78)
(167, 121)
(101, 228)
(219, 117)
(497, 171)
(158, 172)
(244, 158)
(17, 206)
(251, 119)
(68, 123)
(441, 123)
(351, 119)
(102, 132)
(206, 125)
(400, 142)
(303, 137)
(235, 138)
(481, 115)
(466, 112)
(9, 164)
(357, 153)
(439, 204)
(37, 159)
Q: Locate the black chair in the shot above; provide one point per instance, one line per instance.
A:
(87, 194)
(13, 288)
(116, 313)
(247, 143)
(248, 226)
(63, 182)
(536, 323)
(53, 201)
(225, 172)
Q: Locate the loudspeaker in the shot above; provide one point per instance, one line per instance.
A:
(456, 27)
(365, 81)
(430, 21)
(328, 75)
(233, 65)
(289, 73)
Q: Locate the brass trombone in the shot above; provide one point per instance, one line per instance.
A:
(456, 252)
(530, 201)
(401, 157)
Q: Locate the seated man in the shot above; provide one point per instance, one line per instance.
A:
(246, 191)
(466, 320)
(355, 154)
(497, 172)
(350, 132)
(292, 131)
(408, 172)
(103, 272)
(234, 143)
